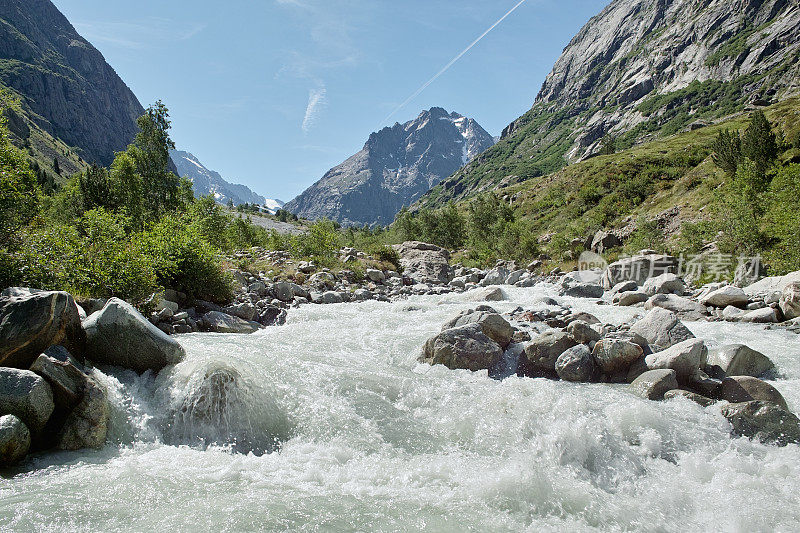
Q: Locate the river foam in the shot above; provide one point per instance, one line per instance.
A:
(364, 438)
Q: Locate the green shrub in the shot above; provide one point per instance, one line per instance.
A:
(781, 221)
(321, 243)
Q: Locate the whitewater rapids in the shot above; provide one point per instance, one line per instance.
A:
(330, 424)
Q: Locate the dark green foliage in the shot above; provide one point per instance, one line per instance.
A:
(19, 190)
(646, 236)
(608, 145)
(728, 151)
(759, 143)
(782, 223)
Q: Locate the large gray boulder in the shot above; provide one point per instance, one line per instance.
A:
(667, 283)
(638, 268)
(496, 276)
(683, 307)
(699, 399)
(790, 301)
(15, 440)
(629, 298)
(66, 381)
(492, 324)
(543, 351)
(584, 290)
(487, 294)
(217, 322)
(463, 347)
(615, 355)
(26, 396)
(738, 389)
(119, 335)
(576, 364)
(775, 284)
(653, 384)
(740, 360)
(764, 421)
(425, 263)
(662, 328)
(87, 425)
(725, 296)
(582, 332)
(685, 358)
(32, 321)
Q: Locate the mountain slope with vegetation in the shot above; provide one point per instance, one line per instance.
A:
(65, 88)
(639, 71)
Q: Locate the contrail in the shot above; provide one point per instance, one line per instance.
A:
(450, 64)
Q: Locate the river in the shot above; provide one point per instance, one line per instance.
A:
(330, 424)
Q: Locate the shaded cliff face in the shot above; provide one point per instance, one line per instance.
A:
(639, 70)
(396, 166)
(206, 181)
(66, 86)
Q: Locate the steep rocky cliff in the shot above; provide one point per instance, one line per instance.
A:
(207, 181)
(396, 166)
(65, 86)
(639, 70)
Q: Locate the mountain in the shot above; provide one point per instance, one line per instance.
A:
(638, 71)
(71, 104)
(396, 166)
(209, 182)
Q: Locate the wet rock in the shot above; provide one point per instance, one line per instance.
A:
(767, 315)
(487, 294)
(624, 286)
(763, 421)
(667, 283)
(32, 321)
(691, 396)
(654, 384)
(638, 268)
(584, 290)
(464, 347)
(683, 307)
(725, 296)
(272, 316)
(87, 424)
(615, 355)
(629, 298)
(244, 310)
(685, 358)
(496, 276)
(662, 328)
(739, 360)
(580, 315)
(582, 332)
(543, 352)
(217, 322)
(66, 381)
(425, 263)
(576, 364)
(26, 396)
(492, 324)
(118, 335)
(15, 440)
(738, 389)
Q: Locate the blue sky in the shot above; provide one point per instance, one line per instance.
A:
(273, 93)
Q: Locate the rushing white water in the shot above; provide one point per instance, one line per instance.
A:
(370, 440)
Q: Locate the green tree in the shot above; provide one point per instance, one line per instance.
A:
(608, 145)
(759, 143)
(727, 151)
(19, 190)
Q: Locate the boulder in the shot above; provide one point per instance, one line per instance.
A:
(375, 275)
(667, 283)
(119, 335)
(496, 276)
(628, 298)
(790, 301)
(286, 291)
(739, 360)
(584, 290)
(615, 355)
(576, 364)
(763, 421)
(272, 316)
(425, 263)
(487, 294)
(685, 358)
(725, 296)
(32, 321)
(492, 324)
(771, 285)
(26, 396)
(654, 384)
(464, 347)
(582, 332)
(691, 396)
(15, 440)
(330, 297)
(603, 241)
(87, 424)
(683, 307)
(624, 286)
(543, 351)
(766, 315)
(217, 322)
(638, 268)
(243, 310)
(66, 381)
(738, 389)
(662, 328)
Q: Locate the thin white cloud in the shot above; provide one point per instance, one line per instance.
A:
(138, 34)
(316, 101)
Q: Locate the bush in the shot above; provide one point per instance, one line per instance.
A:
(782, 225)
(321, 242)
